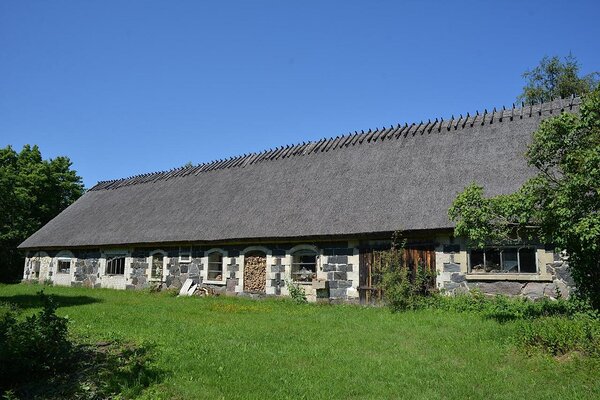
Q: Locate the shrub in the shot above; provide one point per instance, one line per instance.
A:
(404, 288)
(37, 360)
(560, 335)
(297, 292)
(37, 346)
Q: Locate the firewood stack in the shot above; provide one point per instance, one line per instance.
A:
(255, 269)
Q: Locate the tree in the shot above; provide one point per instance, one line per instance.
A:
(33, 191)
(554, 78)
(559, 205)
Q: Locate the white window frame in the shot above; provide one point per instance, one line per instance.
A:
(185, 254)
(114, 254)
(300, 252)
(501, 250)
(207, 263)
(151, 265)
(64, 256)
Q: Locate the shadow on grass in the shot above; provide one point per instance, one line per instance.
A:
(26, 301)
(99, 371)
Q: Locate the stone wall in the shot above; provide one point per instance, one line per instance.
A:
(337, 275)
(553, 279)
(87, 272)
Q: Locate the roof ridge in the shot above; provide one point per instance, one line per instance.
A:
(352, 139)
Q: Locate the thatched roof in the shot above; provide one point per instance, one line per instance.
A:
(401, 177)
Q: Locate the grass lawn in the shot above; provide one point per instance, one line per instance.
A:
(237, 348)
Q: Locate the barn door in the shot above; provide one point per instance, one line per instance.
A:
(255, 273)
(371, 269)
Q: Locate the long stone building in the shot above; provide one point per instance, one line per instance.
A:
(314, 213)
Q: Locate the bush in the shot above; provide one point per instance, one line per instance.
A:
(560, 335)
(553, 326)
(404, 288)
(37, 346)
(297, 292)
(37, 360)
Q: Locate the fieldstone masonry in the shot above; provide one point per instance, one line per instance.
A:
(87, 272)
(452, 279)
(337, 273)
(178, 272)
(138, 276)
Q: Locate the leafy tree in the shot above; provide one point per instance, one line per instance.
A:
(555, 78)
(33, 191)
(560, 204)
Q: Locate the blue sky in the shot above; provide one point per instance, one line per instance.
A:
(127, 87)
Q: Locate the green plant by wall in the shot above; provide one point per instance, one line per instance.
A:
(404, 287)
(297, 292)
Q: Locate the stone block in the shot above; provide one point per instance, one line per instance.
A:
(233, 268)
(344, 284)
(337, 276)
(562, 273)
(337, 259)
(457, 277)
(508, 288)
(344, 268)
(278, 268)
(231, 284)
(561, 288)
(337, 293)
(328, 267)
(534, 290)
(451, 267)
(451, 286)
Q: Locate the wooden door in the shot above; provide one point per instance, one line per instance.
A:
(371, 269)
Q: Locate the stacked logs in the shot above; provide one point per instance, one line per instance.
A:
(255, 274)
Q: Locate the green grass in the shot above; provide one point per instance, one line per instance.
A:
(237, 348)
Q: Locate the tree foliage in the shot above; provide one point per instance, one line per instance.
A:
(554, 78)
(33, 191)
(560, 204)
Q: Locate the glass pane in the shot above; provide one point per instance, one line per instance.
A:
(477, 261)
(492, 260)
(527, 260)
(509, 260)
(304, 267)
(215, 271)
(64, 267)
(215, 267)
(157, 265)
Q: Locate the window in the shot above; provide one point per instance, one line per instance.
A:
(115, 265)
(215, 266)
(185, 254)
(304, 266)
(503, 260)
(158, 262)
(64, 266)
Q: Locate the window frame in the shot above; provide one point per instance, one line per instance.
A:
(152, 278)
(63, 260)
(208, 266)
(185, 254)
(501, 250)
(61, 257)
(111, 257)
(304, 252)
